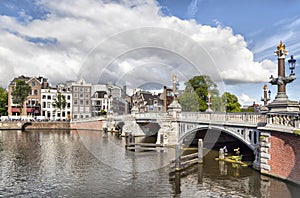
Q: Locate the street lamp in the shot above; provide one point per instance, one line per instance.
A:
(292, 64)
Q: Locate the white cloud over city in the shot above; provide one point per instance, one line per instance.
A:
(130, 43)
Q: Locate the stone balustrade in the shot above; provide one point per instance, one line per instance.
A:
(220, 117)
(284, 120)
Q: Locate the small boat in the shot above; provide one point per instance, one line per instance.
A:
(235, 159)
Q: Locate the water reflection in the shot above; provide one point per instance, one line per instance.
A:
(66, 163)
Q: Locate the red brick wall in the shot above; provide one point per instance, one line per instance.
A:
(90, 125)
(285, 156)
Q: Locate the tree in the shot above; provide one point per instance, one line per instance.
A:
(60, 103)
(188, 99)
(3, 101)
(232, 104)
(102, 112)
(201, 86)
(20, 92)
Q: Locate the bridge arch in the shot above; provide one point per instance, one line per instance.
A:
(218, 128)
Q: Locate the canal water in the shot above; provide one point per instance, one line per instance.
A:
(85, 164)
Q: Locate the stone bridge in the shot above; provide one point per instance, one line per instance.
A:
(176, 127)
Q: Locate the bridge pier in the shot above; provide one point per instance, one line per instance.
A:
(280, 149)
(131, 126)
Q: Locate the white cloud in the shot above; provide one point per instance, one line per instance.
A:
(245, 99)
(96, 39)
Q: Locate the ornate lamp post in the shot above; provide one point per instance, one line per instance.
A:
(267, 95)
(209, 102)
(281, 102)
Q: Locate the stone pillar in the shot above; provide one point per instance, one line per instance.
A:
(262, 160)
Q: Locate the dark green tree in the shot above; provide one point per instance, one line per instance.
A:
(102, 112)
(60, 103)
(202, 85)
(232, 103)
(3, 101)
(188, 99)
(20, 92)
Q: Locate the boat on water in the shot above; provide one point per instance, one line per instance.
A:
(235, 160)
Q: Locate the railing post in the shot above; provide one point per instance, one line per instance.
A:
(177, 156)
(200, 151)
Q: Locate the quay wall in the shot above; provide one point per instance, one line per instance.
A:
(280, 155)
(87, 125)
(16, 125)
(285, 156)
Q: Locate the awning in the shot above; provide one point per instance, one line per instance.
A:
(29, 110)
(15, 110)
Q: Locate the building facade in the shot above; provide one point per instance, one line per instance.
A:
(81, 99)
(32, 105)
(48, 98)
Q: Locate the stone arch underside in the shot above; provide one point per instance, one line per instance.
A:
(221, 129)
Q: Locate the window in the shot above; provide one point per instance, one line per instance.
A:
(75, 95)
(44, 97)
(76, 89)
(81, 95)
(35, 92)
(33, 84)
(87, 89)
(75, 102)
(49, 97)
(48, 104)
(68, 97)
(81, 89)
(81, 102)
(87, 95)
(87, 102)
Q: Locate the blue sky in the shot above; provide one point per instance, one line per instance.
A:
(142, 42)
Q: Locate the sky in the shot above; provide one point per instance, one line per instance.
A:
(142, 43)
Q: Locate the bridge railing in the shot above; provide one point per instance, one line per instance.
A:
(222, 117)
(155, 116)
(284, 120)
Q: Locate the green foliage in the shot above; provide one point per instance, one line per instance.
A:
(189, 100)
(20, 92)
(217, 104)
(3, 101)
(102, 112)
(296, 132)
(232, 104)
(60, 102)
(201, 86)
(249, 109)
(194, 97)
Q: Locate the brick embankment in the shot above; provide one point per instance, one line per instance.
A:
(34, 125)
(285, 156)
(87, 125)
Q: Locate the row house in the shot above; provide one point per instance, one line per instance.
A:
(32, 105)
(48, 97)
(83, 99)
(145, 101)
(109, 98)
